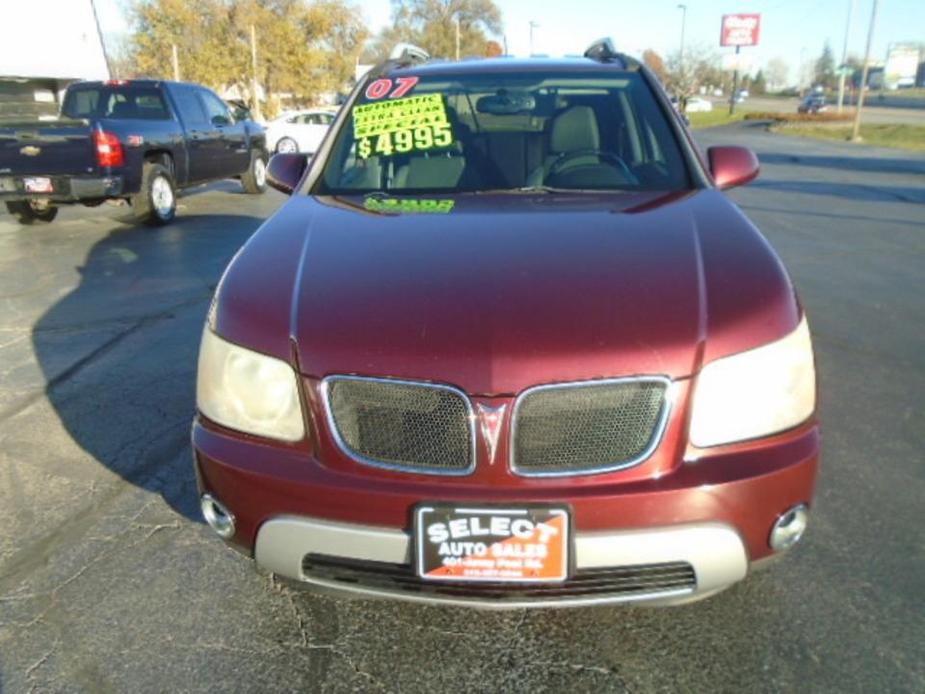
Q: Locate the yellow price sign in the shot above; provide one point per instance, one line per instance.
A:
(401, 126)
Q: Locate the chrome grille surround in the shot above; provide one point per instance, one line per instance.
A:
(383, 445)
(652, 432)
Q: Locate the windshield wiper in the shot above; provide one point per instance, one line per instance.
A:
(527, 190)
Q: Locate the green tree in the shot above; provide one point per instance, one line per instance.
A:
(199, 30)
(303, 48)
(431, 24)
(824, 72)
(758, 85)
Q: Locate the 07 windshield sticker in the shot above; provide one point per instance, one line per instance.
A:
(415, 123)
(406, 205)
(385, 87)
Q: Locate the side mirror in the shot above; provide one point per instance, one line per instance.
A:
(285, 171)
(732, 166)
(221, 121)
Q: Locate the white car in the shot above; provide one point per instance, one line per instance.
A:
(697, 105)
(298, 131)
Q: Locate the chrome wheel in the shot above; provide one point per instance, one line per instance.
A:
(162, 198)
(260, 172)
(287, 146)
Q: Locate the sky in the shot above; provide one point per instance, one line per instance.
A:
(794, 30)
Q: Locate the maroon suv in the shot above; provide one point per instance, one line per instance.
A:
(508, 344)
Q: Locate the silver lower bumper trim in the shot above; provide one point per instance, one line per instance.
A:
(715, 551)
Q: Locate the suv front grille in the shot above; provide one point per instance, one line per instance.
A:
(386, 578)
(402, 425)
(593, 426)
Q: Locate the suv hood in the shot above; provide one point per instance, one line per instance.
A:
(501, 292)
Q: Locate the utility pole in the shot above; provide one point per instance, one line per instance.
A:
(457, 37)
(856, 131)
(533, 25)
(683, 9)
(844, 58)
(176, 64)
(255, 85)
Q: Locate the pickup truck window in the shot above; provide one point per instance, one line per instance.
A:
(124, 101)
(216, 110)
(190, 107)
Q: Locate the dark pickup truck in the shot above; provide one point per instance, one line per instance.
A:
(138, 140)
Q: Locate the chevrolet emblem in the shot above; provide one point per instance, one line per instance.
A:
(30, 151)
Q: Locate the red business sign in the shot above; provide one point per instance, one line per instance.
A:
(740, 30)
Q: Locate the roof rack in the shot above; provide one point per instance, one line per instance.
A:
(407, 54)
(602, 51)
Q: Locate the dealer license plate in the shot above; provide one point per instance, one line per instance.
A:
(474, 543)
(37, 184)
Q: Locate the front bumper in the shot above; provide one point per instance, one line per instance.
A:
(714, 514)
(65, 189)
(714, 551)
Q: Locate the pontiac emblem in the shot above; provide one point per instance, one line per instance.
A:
(490, 419)
(30, 151)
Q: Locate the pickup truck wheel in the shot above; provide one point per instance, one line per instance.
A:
(32, 211)
(254, 180)
(156, 202)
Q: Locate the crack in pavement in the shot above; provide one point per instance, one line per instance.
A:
(113, 546)
(309, 644)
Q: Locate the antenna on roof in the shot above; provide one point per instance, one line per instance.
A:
(602, 51)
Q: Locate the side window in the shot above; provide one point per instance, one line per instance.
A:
(151, 106)
(190, 109)
(294, 119)
(216, 111)
(313, 119)
(327, 119)
(81, 103)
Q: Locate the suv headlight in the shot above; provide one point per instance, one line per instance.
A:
(755, 393)
(247, 391)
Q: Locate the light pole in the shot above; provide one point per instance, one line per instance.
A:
(533, 25)
(844, 58)
(457, 38)
(856, 131)
(683, 9)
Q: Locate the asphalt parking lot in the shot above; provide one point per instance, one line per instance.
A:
(110, 582)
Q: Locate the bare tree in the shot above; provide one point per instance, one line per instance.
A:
(700, 68)
(776, 74)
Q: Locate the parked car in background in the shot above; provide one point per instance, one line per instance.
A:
(814, 103)
(508, 344)
(697, 104)
(138, 140)
(299, 131)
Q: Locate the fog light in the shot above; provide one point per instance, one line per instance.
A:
(219, 518)
(789, 528)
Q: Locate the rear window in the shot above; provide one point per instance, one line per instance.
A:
(581, 130)
(116, 101)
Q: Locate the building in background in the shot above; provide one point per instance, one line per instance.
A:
(44, 46)
(902, 65)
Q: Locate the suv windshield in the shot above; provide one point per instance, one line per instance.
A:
(493, 131)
